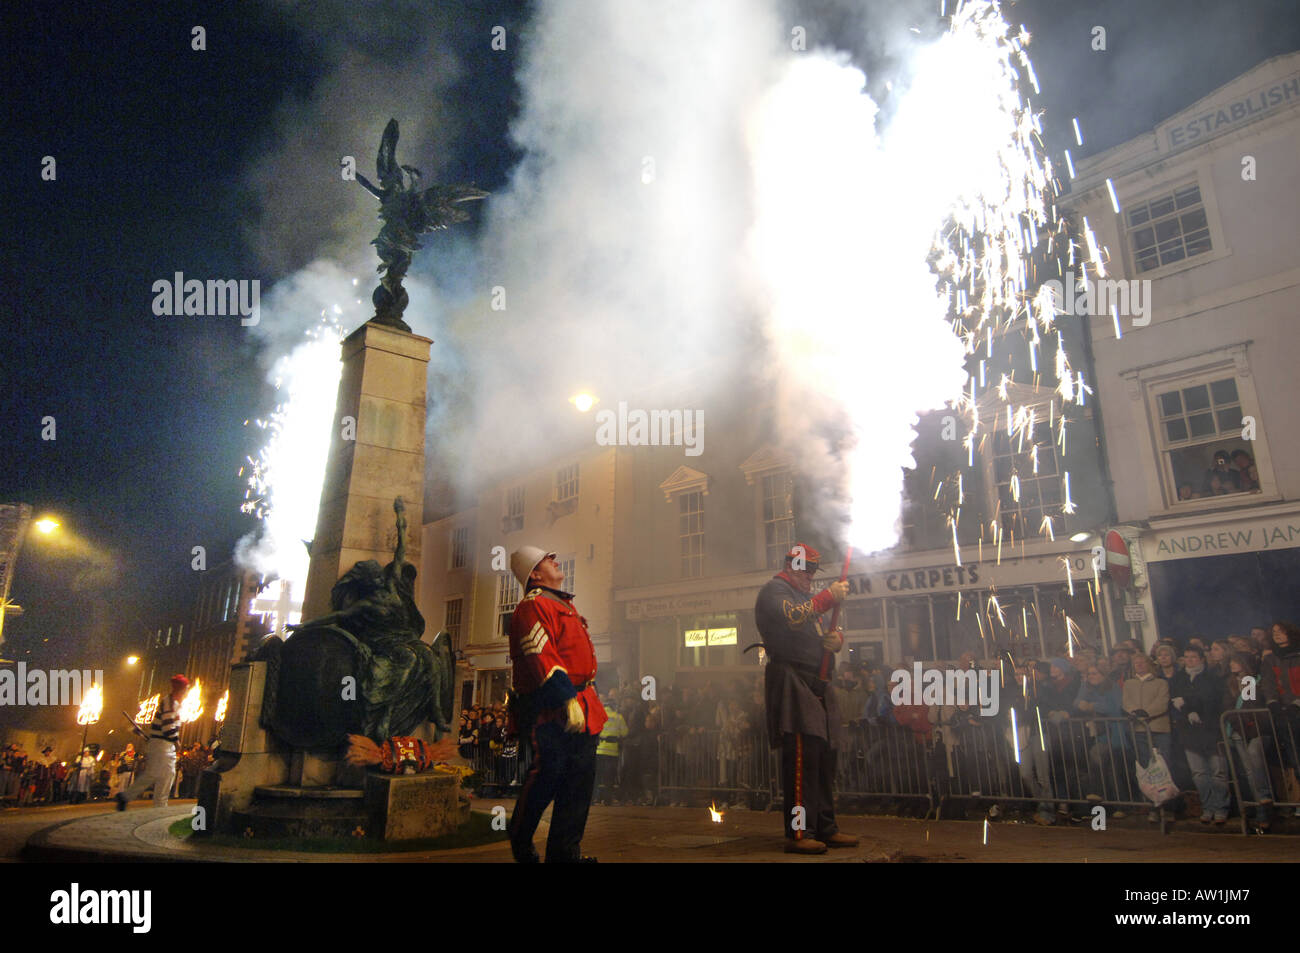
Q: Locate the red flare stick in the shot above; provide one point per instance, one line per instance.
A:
(835, 616)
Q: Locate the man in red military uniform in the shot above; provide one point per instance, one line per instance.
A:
(554, 665)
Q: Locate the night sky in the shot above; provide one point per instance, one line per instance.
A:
(154, 145)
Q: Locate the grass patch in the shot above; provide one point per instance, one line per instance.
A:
(476, 832)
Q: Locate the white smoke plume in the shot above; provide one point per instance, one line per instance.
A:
(686, 178)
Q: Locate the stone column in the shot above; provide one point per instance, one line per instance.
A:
(385, 374)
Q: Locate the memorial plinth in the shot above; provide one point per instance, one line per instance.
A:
(376, 456)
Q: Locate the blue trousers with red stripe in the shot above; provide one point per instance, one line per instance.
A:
(563, 771)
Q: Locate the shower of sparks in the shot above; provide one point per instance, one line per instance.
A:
(1015, 735)
(968, 250)
(986, 830)
(284, 480)
(1078, 135)
(1042, 739)
(1110, 187)
(1068, 506)
(1069, 163)
(1046, 528)
(1069, 576)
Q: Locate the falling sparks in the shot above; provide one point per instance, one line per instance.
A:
(1114, 201)
(284, 480)
(1078, 134)
(986, 826)
(977, 225)
(1015, 735)
(993, 601)
(714, 814)
(1068, 506)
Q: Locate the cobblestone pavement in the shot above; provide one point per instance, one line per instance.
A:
(641, 834)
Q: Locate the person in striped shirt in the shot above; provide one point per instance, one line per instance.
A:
(160, 754)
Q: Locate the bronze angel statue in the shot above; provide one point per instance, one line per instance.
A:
(407, 212)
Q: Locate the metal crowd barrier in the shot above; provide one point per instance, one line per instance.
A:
(499, 775)
(1262, 757)
(708, 763)
(1074, 761)
(1065, 763)
(885, 761)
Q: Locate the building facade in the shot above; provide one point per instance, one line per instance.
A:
(467, 590)
(669, 549)
(1206, 233)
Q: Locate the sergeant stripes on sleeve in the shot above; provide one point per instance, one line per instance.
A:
(534, 641)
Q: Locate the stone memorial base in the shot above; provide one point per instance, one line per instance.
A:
(286, 810)
(413, 806)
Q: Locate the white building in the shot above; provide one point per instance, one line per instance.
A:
(1208, 223)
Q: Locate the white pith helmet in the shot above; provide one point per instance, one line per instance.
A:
(524, 560)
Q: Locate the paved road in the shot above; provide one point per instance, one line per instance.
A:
(636, 834)
(18, 824)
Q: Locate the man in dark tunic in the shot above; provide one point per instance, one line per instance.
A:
(802, 717)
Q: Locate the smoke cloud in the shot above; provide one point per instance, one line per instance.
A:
(633, 243)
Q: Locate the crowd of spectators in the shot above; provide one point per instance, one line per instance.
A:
(89, 775)
(1070, 733)
(1084, 723)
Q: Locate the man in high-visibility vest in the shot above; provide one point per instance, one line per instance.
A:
(607, 751)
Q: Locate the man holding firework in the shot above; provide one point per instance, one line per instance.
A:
(802, 717)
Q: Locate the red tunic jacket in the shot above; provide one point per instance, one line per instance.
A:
(547, 636)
